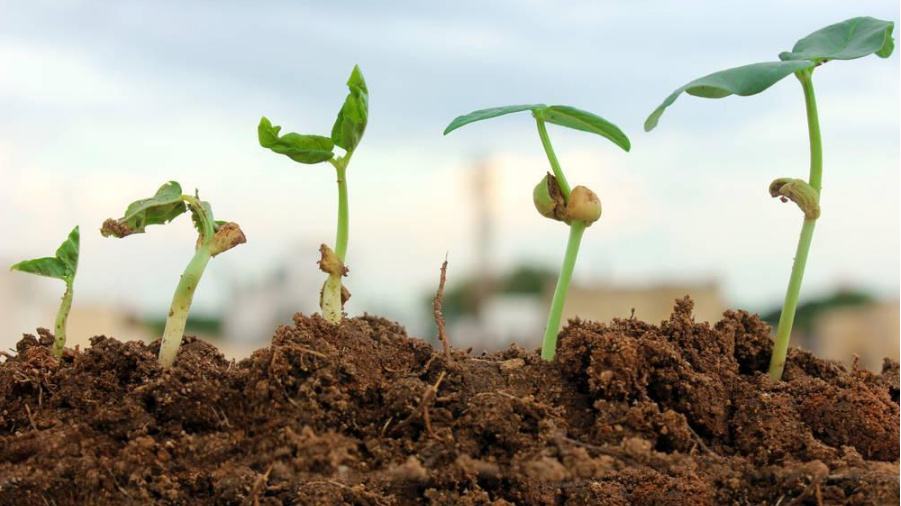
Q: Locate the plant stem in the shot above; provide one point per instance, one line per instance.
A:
(61, 316)
(549, 344)
(787, 317)
(330, 302)
(343, 211)
(181, 304)
(552, 157)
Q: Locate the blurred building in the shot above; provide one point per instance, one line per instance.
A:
(506, 317)
(869, 331)
(258, 307)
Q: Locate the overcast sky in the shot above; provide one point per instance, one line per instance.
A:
(103, 101)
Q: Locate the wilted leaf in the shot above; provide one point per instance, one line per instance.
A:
(162, 208)
(850, 39)
(743, 81)
(354, 114)
(300, 148)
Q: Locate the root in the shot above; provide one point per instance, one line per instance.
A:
(439, 316)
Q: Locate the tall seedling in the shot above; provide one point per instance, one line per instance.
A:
(848, 40)
(312, 149)
(578, 207)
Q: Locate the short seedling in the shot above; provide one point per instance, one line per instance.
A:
(578, 207)
(61, 266)
(214, 237)
(311, 149)
(848, 40)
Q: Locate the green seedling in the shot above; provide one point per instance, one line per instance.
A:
(578, 207)
(214, 237)
(848, 40)
(312, 149)
(61, 266)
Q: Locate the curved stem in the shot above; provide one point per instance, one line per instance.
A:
(813, 131)
(549, 344)
(552, 157)
(787, 317)
(181, 304)
(61, 316)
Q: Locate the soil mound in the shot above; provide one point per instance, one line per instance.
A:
(630, 413)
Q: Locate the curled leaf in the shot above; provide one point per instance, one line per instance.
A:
(354, 114)
(799, 192)
(307, 149)
(847, 40)
(162, 208)
(743, 81)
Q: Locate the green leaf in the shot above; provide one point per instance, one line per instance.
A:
(62, 266)
(850, 39)
(300, 148)
(351, 121)
(743, 81)
(483, 114)
(67, 253)
(48, 266)
(162, 208)
(578, 119)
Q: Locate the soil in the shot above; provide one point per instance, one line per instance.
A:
(629, 413)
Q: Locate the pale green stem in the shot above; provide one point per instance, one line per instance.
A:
(549, 343)
(181, 304)
(330, 303)
(787, 317)
(61, 317)
(343, 212)
(552, 157)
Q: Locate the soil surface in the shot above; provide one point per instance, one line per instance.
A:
(680, 413)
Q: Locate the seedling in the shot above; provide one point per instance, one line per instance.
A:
(848, 40)
(214, 237)
(312, 149)
(578, 207)
(61, 266)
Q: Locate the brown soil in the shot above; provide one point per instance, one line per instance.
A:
(630, 413)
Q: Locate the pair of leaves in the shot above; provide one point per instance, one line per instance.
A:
(848, 40)
(346, 132)
(562, 115)
(62, 266)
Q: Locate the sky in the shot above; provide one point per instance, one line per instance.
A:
(103, 102)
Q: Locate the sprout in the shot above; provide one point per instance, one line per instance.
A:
(61, 266)
(311, 149)
(848, 40)
(214, 237)
(578, 207)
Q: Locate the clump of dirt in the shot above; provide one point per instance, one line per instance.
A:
(629, 413)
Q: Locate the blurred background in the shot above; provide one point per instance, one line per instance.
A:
(102, 102)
